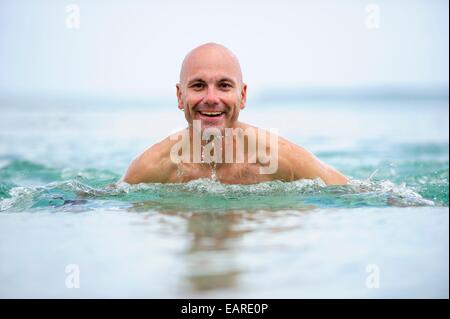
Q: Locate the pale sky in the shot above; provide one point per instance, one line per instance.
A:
(135, 48)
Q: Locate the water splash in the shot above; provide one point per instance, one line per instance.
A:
(209, 194)
(212, 164)
(27, 186)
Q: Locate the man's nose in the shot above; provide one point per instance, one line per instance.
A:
(211, 97)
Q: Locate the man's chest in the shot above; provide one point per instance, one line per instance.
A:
(237, 173)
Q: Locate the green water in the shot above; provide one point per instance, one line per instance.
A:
(408, 183)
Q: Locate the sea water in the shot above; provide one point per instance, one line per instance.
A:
(63, 214)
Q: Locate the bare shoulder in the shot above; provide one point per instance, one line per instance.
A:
(295, 162)
(300, 163)
(152, 166)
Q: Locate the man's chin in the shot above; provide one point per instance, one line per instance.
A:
(209, 127)
(210, 124)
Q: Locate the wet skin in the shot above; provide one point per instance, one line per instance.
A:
(211, 91)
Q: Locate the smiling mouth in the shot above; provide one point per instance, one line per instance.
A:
(211, 114)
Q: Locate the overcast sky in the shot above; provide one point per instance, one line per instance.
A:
(135, 48)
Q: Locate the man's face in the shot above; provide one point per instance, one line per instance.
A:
(211, 88)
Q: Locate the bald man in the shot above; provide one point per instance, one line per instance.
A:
(211, 93)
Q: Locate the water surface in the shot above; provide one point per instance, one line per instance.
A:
(59, 205)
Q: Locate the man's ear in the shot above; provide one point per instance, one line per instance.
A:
(180, 103)
(243, 95)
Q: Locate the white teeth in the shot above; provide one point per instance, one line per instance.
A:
(211, 113)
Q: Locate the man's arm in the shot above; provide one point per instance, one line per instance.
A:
(304, 165)
(149, 167)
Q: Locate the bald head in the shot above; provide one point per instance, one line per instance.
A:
(211, 81)
(207, 57)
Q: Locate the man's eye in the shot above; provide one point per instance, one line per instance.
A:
(197, 85)
(225, 85)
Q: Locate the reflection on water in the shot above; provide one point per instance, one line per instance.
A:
(210, 258)
(138, 251)
(214, 239)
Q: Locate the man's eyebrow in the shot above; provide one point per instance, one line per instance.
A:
(225, 79)
(195, 80)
